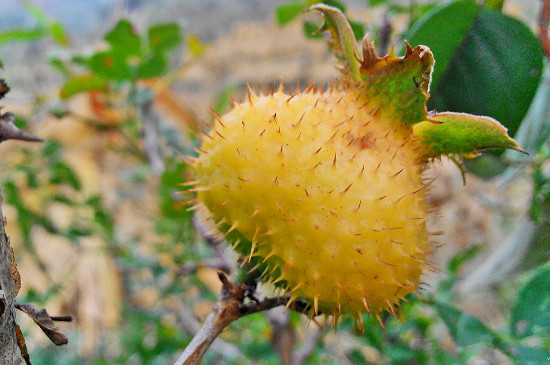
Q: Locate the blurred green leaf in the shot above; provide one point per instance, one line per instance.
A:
(58, 33)
(471, 331)
(495, 71)
(443, 29)
(61, 173)
(82, 83)
(358, 29)
(450, 316)
(337, 4)
(286, 13)
(310, 30)
(59, 66)
(534, 131)
(526, 355)
(460, 258)
(37, 13)
(376, 2)
(21, 35)
(531, 311)
(153, 66)
(493, 4)
(124, 40)
(110, 66)
(164, 37)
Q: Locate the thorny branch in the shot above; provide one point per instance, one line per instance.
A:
(231, 306)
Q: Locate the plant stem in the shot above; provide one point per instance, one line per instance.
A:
(230, 307)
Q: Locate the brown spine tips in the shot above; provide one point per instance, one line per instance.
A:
(380, 321)
(316, 304)
(334, 160)
(190, 160)
(195, 190)
(397, 173)
(287, 266)
(243, 179)
(240, 153)
(189, 183)
(346, 189)
(280, 153)
(379, 260)
(267, 258)
(378, 166)
(364, 105)
(217, 117)
(319, 150)
(256, 211)
(362, 170)
(231, 229)
(361, 323)
(300, 120)
(391, 308)
(261, 133)
(222, 137)
(261, 90)
(276, 180)
(358, 270)
(356, 209)
(281, 87)
(291, 97)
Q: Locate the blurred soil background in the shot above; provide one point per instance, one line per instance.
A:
(241, 44)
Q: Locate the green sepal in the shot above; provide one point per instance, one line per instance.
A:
(461, 134)
(342, 39)
(398, 85)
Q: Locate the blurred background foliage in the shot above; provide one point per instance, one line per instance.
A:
(120, 89)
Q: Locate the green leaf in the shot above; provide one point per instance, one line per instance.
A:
(37, 13)
(464, 328)
(495, 72)
(534, 131)
(61, 173)
(21, 35)
(443, 29)
(376, 2)
(461, 134)
(82, 83)
(153, 66)
(124, 40)
(286, 13)
(450, 316)
(465, 255)
(471, 331)
(164, 37)
(531, 311)
(58, 33)
(526, 355)
(358, 29)
(59, 66)
(110, 66)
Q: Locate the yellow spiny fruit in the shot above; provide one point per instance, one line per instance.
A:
(322, 190)
(327, 189)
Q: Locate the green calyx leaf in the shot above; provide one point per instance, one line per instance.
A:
(399, 85)
(461, 134)
(342, 39)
